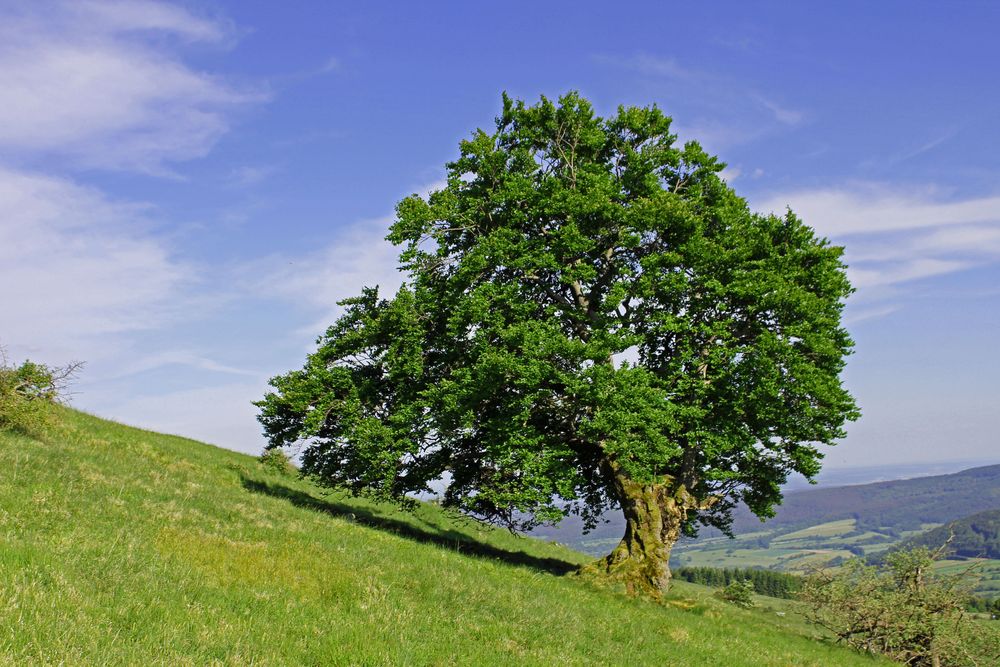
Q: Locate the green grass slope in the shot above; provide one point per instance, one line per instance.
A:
(121, 546)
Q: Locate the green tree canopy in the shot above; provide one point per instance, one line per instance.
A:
(592, 319)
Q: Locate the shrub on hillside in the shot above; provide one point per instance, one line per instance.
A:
(277, 461)
(27, 390)
(739, 593)
(902, 610)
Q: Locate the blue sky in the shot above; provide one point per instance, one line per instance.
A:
(186, 189)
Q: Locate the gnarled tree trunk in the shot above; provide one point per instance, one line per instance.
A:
(654, 514)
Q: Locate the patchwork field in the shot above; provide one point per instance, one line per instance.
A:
(823, 545)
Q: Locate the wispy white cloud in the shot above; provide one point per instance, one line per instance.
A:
(112, 16)
(281, 80)
(220, 414)
(731, 173)
(878, 274)
(781, 113)
(727, 111)
(82, 81)
(894, 236)
(886, 162)
(867, 209)
(969, 242)
(77, 265)
(651, 65)
(853, 316)
(189, 358)
(357, 257)
(927, 146)
(249, 175)
(714, 135)
(332, 64)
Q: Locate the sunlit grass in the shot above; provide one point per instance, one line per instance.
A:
(121, 546)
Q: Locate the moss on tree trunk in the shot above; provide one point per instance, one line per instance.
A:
(654, 515)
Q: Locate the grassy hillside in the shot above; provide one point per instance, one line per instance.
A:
(121, 546)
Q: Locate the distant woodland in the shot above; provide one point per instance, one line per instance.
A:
(976, 536)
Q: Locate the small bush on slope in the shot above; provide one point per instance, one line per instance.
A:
(739, 593)
(902, 611)
(277, 461)
(27, 390)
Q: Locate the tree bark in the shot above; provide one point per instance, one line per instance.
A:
(654, 514)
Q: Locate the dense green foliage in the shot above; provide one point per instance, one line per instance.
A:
(985, 606)
(124, 547)
(27, 390)
(562, 244)
(739, 593)
(765, 582)
(976, 536)
(901, 611)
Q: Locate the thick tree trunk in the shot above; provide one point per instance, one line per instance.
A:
(654, 514)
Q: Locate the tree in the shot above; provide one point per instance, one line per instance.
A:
(27, 390)
(902, 610)
(739, 592)
(593, 319)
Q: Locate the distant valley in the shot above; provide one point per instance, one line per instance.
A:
(824, 525)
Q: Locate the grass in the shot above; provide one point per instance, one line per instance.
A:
(985, 573)
(120, 546)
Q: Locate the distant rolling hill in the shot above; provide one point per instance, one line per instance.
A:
(976, 536)
(902, 505)
(891, 507)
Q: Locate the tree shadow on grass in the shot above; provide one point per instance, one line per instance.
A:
(366, 516)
